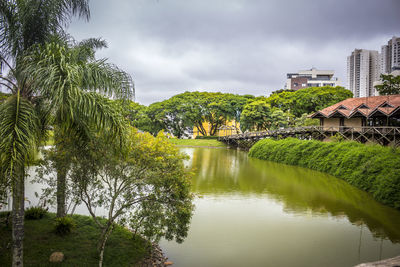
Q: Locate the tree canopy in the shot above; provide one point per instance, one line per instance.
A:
(390, 85)
(180, 113)
(308, 100)
(289, 108)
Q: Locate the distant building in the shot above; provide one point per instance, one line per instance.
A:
(363, 69)
(390, 56)
(310, 78)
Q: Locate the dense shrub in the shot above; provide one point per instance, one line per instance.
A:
(64, 225)
(35, 213)
(372, 168)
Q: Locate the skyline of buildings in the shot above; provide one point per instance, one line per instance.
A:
(364, 67)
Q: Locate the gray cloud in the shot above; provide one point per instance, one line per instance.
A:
(171, 46)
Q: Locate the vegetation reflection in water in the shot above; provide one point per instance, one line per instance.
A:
(226, 181)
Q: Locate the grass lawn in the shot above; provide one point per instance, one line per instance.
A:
(79, 247)
(197, 142)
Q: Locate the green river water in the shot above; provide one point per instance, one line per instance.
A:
(251, 212)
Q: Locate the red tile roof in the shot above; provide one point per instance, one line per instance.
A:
(365, 106)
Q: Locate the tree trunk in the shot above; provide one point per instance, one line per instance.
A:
(103, 239)
(61, 188)
(18, 213)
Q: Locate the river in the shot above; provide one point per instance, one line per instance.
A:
(251, 212)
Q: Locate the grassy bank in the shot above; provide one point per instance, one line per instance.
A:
(197, 142)
(79, 247)
(372, 168)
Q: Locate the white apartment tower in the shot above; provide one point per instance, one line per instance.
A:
(390, 56)
(363, 69)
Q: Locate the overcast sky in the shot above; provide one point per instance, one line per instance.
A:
(237, 46)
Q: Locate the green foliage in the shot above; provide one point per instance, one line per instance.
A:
(289, 108)
(180, 113)
(372, 168)
(141, 181)
(35, 213)
(64, 225)
(308, 100)
(390, 85)
(256, 115)
(304, 120)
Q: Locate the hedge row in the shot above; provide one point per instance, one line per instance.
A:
(372, 168)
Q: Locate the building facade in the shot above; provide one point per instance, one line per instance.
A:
(310, 78)
(363, 70)
(390, 56)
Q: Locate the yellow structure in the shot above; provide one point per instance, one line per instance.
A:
(228, 128)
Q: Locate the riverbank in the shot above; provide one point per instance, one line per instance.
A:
(79, 247)
(210, 143)
(372, 168)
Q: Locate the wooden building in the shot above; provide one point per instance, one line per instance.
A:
(374, 111)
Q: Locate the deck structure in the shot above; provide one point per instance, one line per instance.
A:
(384, 135)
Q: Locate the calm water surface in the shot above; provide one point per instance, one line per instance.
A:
(251, 212)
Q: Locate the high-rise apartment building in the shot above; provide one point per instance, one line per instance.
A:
(390, 56)
(363, 69)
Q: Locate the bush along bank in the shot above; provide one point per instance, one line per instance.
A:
(372, 168)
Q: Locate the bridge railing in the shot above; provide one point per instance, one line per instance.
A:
(380, 130)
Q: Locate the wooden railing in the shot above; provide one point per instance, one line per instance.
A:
(379, 134)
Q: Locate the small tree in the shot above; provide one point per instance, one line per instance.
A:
(390, 85)
(143, 183)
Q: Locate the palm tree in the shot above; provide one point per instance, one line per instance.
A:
(25, 27)
(72, 78)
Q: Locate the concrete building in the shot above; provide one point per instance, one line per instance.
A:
(390, 56)
(363, 69)
(311, 78)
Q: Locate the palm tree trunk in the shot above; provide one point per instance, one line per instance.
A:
(18, 213)
(61, 188)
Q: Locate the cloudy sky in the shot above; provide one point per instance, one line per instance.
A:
(238, 46)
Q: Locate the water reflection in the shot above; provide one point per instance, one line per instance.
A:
(301, 191)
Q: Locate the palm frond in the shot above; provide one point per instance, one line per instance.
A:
(101, 113)
(107, 78)
(85, 50)
(28, 22)
(19, 134)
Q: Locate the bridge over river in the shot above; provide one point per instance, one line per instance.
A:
(384, 135)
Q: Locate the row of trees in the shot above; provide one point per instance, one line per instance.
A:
(57, 83)
(180, 113)
(183, 112)
(290, 108)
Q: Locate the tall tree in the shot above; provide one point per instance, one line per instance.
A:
(23, 24)
(72, 77)
(390, 85)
